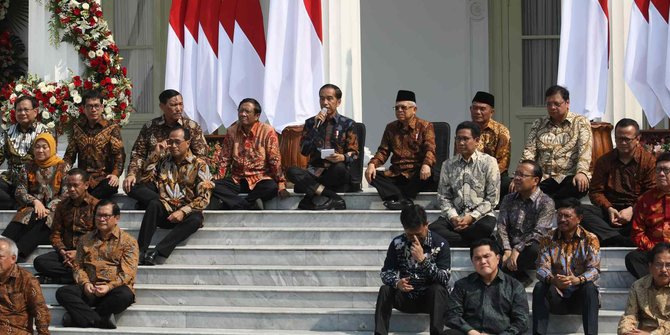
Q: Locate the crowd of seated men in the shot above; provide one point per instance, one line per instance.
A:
(169, 177)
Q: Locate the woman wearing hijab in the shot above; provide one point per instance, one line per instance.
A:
(39, 190)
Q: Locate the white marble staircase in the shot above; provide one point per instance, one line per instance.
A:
(283, 271)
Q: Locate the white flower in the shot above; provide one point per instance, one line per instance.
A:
(18, 88)
(51, 125)
(99, 52)
(52, 100)
(114, 81)
(43, 89)
(70, 86)
(45, 115)
(85, 6)
(51, 88)
(91, 54)
(76, 98)
(109, 116)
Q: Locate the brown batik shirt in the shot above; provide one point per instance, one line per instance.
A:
(495, 141)
(71, 221)
(21, 304)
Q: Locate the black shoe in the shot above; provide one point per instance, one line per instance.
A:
(107, 323)
(150, 258)
(306, 203)
(140, 259)
(338, 204)
(67, 320)
(328, 204)
(398, 205)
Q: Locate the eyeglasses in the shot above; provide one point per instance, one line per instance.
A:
(462, 139)
(522, 175)
(665, 170)
(174, 142)
(555, 104)
(624, 139)
(104, 216)
(401, 108)
(97, 106)
(24, 110)
(661, 265)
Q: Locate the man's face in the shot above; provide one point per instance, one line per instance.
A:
(660, 269)
(420, 233)
(485, 260)
(93, 110)
(246, 116)
(173, 109)
(480, 112)
(626, 139)
(663, 176)
(6, 259)
(327, 99)
(557, 107)
(404, 110)
(26, 113)
(76, 186)
(177, 144)
(105, 221)
(524, 180)
(465, 143)
(567, 220)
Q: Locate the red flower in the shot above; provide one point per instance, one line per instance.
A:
(76, 80)
(51, 109)
(98, 13)
(125, 72)
(76, 11)
(64, 20)
(88, 85)
(123, 106)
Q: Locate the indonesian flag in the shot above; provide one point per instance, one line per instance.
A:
(175, 45)
(584, 55)
(247, 67)
(294, 62)
(225, 104)
(206, 90)
(635, 68)
(190, 60)
(656, 51)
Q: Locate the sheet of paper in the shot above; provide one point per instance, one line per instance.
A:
(326, 152)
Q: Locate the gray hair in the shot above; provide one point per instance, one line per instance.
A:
(12, 246)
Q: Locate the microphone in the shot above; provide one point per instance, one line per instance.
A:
(319, 121)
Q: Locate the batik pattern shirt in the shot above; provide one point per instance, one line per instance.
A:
(579, 256)
(157, 130)
(253, 157)
(409, 146)
(98, 150)
(111, 261)
(185, 186)
(21, 304)
(648, 308)
(651, 220)
(16, 146)
(336, 133)
(71, 221)
(523, 221)
(495, 141)
(399, 263)
(561, 150)
(43, 184)
(469, 187)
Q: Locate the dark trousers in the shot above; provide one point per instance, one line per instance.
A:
(226, 193)
(597, 221)
(335, 178)
(526, 261)
(143, 193)
(433, 302)
(561, 191)
(28, 236)
(51, 264)
(399, 187)
(156, 216)
(583, 301)
(80, 306)
(637, 263)
(482, 228)
(103, 190)
(7, 195)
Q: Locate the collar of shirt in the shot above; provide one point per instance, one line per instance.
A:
(188, 159)
(102, 123)
(32, 128)
(659, 194)
(648, 282)
(161, 120)
(116, 233)
(253, 131)
(579, 234)
(411, 125)
(636, 157)
(13, 273)
(87, 199)
(499, 278)
(491, 124)
(569, 118)
(533, 197)
(475, 156)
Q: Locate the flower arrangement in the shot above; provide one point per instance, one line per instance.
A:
(80, 23)
(12, 64)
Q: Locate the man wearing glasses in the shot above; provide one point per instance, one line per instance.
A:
(16, 146)
(561, 143)
(619, 178)
(97, 146)
(651, 219)
(410, 142)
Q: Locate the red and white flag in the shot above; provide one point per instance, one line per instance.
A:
(656, 51)
(294, 62)
(190, 60)
(208, 47)
(175, 45)
(247, 67)
(584, 55)
(225, 104)
(635, 68)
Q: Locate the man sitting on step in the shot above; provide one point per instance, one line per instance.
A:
(249, 162)
(105, 270)
(567, 269)
(72, 219)
(647, 311)
(415, 273)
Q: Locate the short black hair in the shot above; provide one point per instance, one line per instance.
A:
(565, 94)
(626, 122)
(338, 91)
(413, 216)
(78, 171)
(660, 247)
(32, 99)
(475, 131)
(257, 105)
(664, 157)
(537, 169)
(187, 132)
(167, 95)
(571, 203)
(116, 211)
(92, 95)
(482, 242)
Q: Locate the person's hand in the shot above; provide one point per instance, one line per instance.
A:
(417, 250)
(128, 183)
(425, 172)
(581, 182)
(506, 255)
(370, 173)
(561, 281)
(113, 180)
(283, 194)
(625, 215)
(458, 223)
(511, 261)
(176, 216)
(101, 290)
(474, 332)
(466, 221)
(335, 158)
(40, 210)
(320, 117)
(89, 289)
(614, 216)
(70, 255)
(160, 147)
(638, 332)
(404, 286)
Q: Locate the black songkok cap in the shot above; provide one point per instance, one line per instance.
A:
(484, 97)
(405, 96)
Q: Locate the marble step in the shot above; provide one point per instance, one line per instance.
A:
(313, 319)
(57, 330)
(284, 296)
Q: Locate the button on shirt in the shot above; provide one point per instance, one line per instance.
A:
(651, 220)
(469, 187)
(648, 308)
(21, 302)
(498, 308)
(71, 221)
(522, 221)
